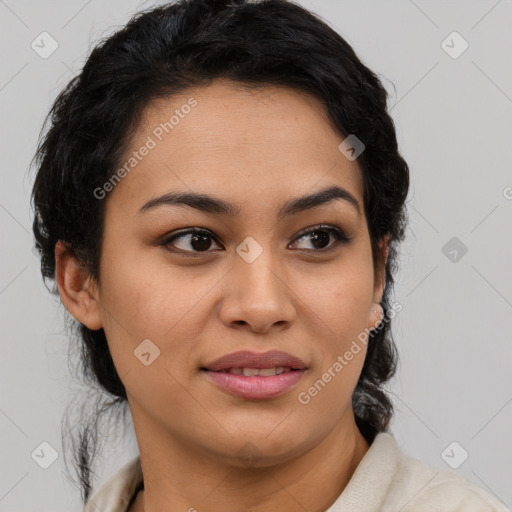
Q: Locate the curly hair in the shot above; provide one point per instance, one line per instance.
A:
(166, 50)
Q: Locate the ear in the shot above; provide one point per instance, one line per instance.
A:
(376, 312)
(380, 269)
(76, 288)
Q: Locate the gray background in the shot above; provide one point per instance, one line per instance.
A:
(453, 119)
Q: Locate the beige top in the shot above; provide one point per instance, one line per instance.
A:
(386, 480)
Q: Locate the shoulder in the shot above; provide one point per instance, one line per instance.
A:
(419, 487)
(116, 493)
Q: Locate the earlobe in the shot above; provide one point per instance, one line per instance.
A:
(74, 286)
(376, 316)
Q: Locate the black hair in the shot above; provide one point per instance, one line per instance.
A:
(166, 50)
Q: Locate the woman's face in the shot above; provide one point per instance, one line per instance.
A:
(253, 279)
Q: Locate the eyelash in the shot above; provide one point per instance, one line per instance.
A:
(339, 235)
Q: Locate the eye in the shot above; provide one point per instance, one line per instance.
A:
(320, 237)
(198, 239)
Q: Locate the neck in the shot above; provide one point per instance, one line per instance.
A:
(180, 477)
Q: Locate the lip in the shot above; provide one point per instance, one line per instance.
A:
(249, 359)
(255, 387)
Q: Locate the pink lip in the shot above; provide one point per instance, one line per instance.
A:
(249, 359)
(255, 386)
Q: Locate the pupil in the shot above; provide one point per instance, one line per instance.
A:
(323, 237)
(203, 242)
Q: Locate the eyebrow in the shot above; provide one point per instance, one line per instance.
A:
(210, 204)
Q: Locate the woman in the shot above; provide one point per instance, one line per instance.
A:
(220, 200)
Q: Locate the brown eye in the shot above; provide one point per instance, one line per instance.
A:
(192, 241)
(321, 236)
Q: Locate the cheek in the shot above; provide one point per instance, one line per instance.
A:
(145, 300)
(341, 295)
(338, 305)
(341, 312)
(145, 333)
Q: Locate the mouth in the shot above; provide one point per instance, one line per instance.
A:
(252, 372)
(254, 375)
(250, 361)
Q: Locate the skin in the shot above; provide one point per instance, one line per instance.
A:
(257, 148)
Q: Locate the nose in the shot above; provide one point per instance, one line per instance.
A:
(257, 296)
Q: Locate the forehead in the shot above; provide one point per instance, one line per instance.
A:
(228, 138)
